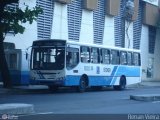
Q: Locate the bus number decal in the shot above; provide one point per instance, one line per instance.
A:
(88, 68)
(106, 69)
(98, 70)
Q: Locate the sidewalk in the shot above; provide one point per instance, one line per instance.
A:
(146, 97)
(145, 84)
(150, 84)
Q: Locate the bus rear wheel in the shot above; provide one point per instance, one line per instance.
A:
(122, 84)
(82, 85)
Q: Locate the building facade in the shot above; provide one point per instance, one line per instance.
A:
(104, 22)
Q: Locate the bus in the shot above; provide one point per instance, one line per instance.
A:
(59, 63)
(18, 65)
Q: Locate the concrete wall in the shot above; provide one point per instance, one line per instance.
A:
(157, 57)
(109, 31)
(86, 33)
(60, 25)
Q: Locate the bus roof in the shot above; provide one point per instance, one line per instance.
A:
(103, 46)
(86, 44)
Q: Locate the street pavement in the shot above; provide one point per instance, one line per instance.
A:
(23, 108)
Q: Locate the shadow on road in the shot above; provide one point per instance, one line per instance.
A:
(44, 90)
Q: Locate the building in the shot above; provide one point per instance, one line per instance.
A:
(105, 22)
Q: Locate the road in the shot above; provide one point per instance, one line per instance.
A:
(67, 101)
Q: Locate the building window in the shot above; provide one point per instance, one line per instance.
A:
(137, 27)
(152, 38)
(119, 26)
(74, 19)
(99, 22)
(44, 21)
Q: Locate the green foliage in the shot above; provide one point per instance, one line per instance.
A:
(12, 20)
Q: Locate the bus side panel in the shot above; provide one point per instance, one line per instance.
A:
(72, 80)
(15, 77)
(13, 58)
(25, 78)
(100, 80)
(131, 73)
(93, 80)
(24, 69)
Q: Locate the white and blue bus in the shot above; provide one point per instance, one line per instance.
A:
(57, 63)
(18, 65)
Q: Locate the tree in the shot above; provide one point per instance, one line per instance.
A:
(158, 24)
(12, 20)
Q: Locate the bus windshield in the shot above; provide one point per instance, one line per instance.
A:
(48, 58)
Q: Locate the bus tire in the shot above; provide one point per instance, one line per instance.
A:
(122, 84)
(82, 84)
(53, 88)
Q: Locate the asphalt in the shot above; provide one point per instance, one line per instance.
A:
(23, 108)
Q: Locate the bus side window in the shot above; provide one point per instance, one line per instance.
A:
(123, 58)
(85, 54)
(115, 57)
(136, 59)
(13, 63)
(94, 55)
(72, 58)
(105, 56)
(129, 58)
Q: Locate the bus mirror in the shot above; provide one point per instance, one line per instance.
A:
(27, 52)
(26, 55)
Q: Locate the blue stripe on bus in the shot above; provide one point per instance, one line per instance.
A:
(25, 78)
(105, 80)
(113, 74)
(127, 71)
(19, 77)
(93, 80)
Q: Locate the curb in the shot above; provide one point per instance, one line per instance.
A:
(146, 97)
(16, 108)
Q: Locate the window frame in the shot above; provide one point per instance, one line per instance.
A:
(117, 58)
(131, 58)
(103, 56)
(92, 57)
(73, 50)
(122, 59)
(83, 53)
(138, 60)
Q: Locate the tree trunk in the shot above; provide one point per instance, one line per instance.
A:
(5, 75)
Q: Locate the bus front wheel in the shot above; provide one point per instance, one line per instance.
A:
(122, 84)
(82, 85)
